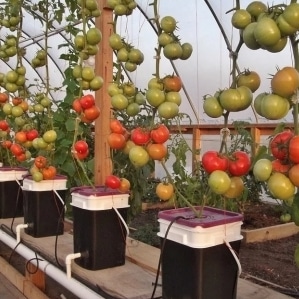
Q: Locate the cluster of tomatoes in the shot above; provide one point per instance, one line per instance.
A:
(41, 170)
(122, 7)
(233, 99)
(164, 95)
(267, 27)
(225, 172)
(172, 47)
(276, 105)
(125, 53)
(121, 184)
(86, 108)
(281, 171)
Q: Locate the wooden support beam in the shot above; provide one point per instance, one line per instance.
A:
(104, 68)
(36, 276)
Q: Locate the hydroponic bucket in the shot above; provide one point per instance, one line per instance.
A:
(44, 206)
(99, 231)
(196, 262)
(11, 197)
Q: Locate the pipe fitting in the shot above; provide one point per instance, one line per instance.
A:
(18, 231)
(68, 263)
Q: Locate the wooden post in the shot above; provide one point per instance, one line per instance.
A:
(104, 68)
(256, 138)
(36, 276)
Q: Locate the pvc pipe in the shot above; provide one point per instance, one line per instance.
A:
(18, 231)
(74, 286)
(68, 263)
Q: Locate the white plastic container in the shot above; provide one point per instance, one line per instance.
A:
(99, 198)
(212, 229)
(12, 174)
(59, 183)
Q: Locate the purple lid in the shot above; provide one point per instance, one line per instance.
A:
(95, 191)
(8, 168)
(57, 177)
(210, 217)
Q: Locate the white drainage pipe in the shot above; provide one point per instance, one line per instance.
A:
(71, 284)
(18, 231)
(68, 263)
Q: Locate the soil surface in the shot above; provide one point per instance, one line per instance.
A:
(269, 263)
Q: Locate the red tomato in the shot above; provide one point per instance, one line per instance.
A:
(160, 134)
(81, 146)
(32, 134)
(87, 101)
(77, 106)
(40, 161)
(81, 156)
(113, 182)
(6, 143)
(16, 149)
(92, 113)
(125, 185)
(116, 141)
(140, 136)
(212, 160)
(49, 173)
(294, 149)
(294, 174)
(278, 166)
(116, 126)
(4, 125)
(279, 144)
(239, 164)
(157, 151)
(172, 83)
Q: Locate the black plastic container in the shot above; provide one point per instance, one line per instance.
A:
(99, 231)
(196, 263)
(191, 273)
(100, 237)
(44, 213)
(11, 200)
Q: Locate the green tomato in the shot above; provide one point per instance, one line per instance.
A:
(50, 136)
(291, 15)
(133, 109)
(168, 24)
(274, 107)
(138, 156)
(280, 186)
(115, 41)
(249, 38)
(174, 97)
(155, 97)
(262, 170)
(219, 182)
(173, 51)
(212, 107)
(266, 32)
(168, 110)
(119, 102)
(241, 18)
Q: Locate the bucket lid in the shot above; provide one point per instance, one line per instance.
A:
(96, 191)
(15, 168)
(57, 177)
(210, 217)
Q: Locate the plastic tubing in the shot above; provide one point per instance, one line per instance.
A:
(74, 286)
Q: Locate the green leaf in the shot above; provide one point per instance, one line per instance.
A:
(70, 125)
